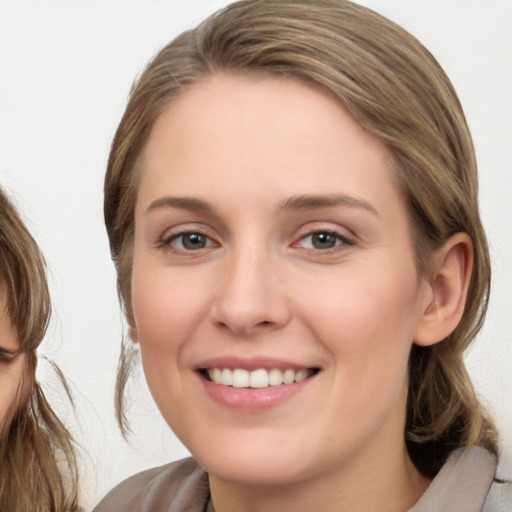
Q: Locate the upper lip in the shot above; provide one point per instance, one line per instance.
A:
(251, 363)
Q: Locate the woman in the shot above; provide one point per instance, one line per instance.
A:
(291, 204)
(37, 459)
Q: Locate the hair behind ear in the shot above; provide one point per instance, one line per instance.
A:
(443, 410)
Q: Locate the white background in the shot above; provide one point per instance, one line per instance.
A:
(65, 71)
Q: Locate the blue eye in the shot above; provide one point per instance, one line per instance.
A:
(192, 241)
(323, 240)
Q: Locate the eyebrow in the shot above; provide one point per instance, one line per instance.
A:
(183, 203)
(294, 203)
(312, 202)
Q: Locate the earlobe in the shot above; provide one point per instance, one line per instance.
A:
(449, 283)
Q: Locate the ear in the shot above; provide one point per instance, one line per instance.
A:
(452, 265)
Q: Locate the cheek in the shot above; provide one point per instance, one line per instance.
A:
(367, 325)
(166, 310)
(367, 318)
(366, 302)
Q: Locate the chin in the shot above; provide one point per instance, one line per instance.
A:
(254, 472)
(255, 460)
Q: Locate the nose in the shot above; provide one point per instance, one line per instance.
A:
(251, 297)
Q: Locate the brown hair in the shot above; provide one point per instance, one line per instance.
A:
(37, 455)
(395, 89)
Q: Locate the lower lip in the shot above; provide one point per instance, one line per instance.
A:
(253, 399)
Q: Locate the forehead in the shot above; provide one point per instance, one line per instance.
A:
(242, 103)
(229, 127)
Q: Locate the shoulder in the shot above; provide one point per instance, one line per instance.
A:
(499, 498)
(176, 487)
(462, 484)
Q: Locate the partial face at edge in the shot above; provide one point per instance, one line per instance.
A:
(13, 365)
(271, 236)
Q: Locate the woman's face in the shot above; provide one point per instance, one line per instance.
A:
(275, 293)
(12, 365)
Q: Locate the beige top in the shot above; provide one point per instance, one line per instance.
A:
(464, 484)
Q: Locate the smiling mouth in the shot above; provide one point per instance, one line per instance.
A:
(260, 378)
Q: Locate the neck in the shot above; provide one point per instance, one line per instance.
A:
(371, 483)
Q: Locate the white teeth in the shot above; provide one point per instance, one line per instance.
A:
(258, 379)
(261, 378)
(227, 377)
(301, 375)
(275, 377)
(240, 378)
(288, 376)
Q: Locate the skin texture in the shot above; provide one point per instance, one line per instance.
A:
(12, 369)
(260, 287)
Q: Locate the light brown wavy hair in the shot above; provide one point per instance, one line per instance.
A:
(397, 91)
(38, 470)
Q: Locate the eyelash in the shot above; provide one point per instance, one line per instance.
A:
(166, 242)
(341, 240)
(6, 356)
